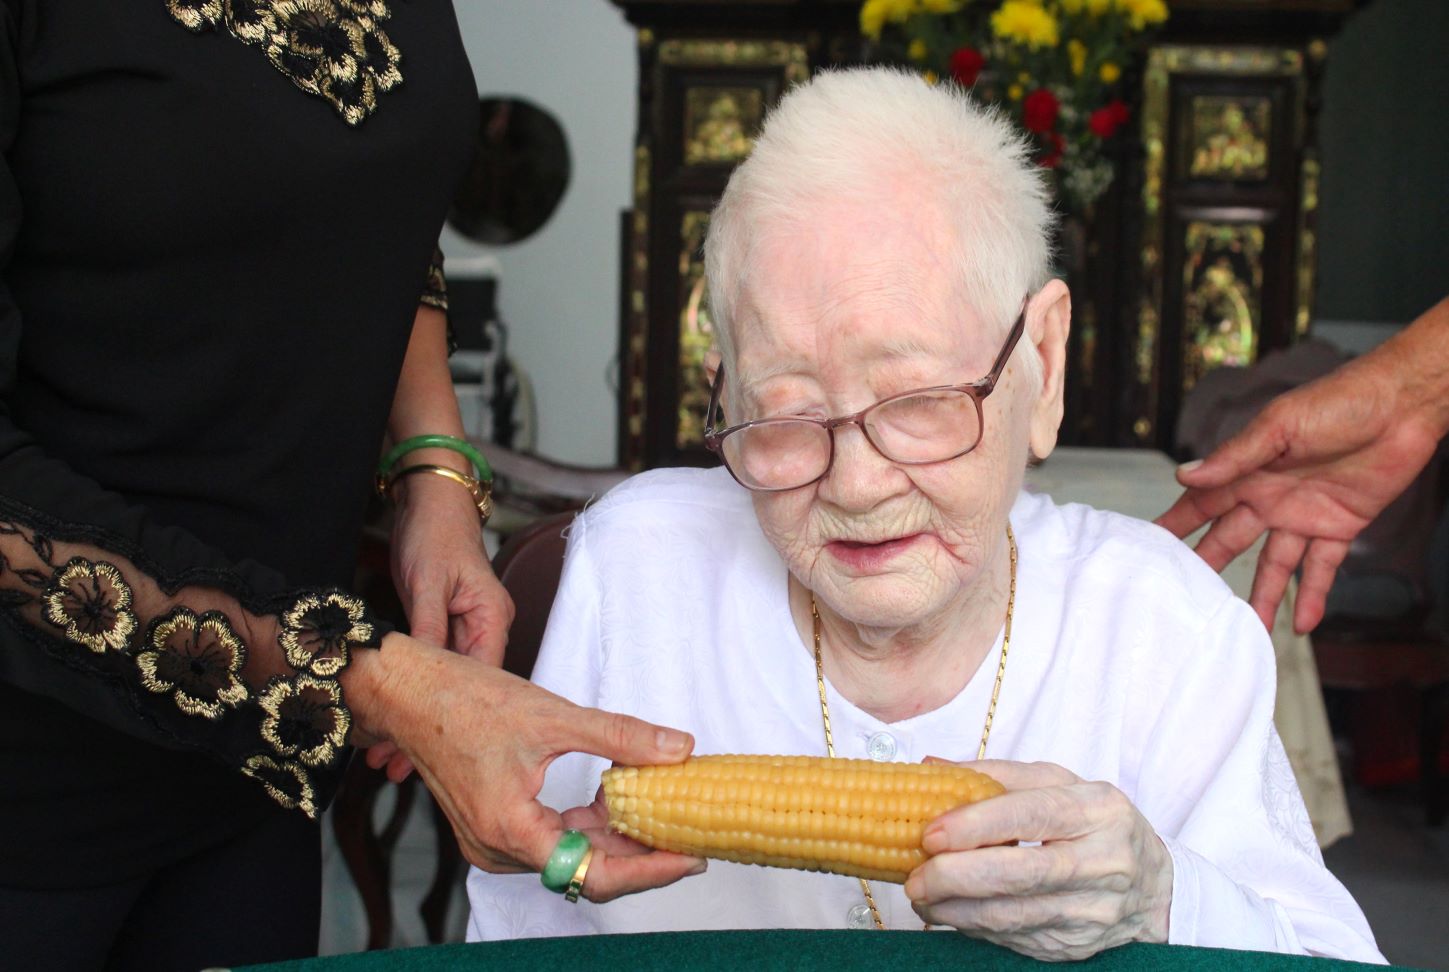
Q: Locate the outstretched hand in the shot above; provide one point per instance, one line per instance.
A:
(482, 740)
(1314, 468)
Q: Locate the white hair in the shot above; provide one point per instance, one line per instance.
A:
(847, 133)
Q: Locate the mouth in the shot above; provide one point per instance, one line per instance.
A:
(866, 556)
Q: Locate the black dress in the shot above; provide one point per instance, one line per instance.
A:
(216, 220)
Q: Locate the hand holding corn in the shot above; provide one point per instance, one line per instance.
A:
(461, 721)
(846, 816)
(1100, 877)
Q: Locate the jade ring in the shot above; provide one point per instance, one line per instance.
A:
(567, 855)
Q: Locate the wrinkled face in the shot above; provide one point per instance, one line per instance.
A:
(834, 317)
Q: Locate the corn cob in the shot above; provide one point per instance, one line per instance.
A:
(847, 816)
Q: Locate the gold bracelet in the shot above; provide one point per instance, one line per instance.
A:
(482, 493)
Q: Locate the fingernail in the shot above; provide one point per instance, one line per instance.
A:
(1188, 467)
(934, 839)
(935, 759)
(670, 742)
(699, 868)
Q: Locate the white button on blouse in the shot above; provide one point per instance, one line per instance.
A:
(881, 747)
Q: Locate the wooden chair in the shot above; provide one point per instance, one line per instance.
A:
(1385, 653)
(366, 849)
(529, 565)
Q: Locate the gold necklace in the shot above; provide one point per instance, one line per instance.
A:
(990, 710)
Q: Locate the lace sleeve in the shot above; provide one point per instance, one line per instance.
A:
(141, 626)
(251, 679)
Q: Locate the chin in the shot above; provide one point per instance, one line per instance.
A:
(882, 601)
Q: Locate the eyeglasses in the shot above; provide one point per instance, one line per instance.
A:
(913, 428)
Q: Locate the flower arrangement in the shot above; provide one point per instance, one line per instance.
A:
(1054, 65)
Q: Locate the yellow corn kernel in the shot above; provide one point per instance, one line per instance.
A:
(847, 816)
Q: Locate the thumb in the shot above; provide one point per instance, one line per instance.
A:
(624, 739)
(1251, 449)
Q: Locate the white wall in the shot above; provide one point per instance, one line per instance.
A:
(559, 289)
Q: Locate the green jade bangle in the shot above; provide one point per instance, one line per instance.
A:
(461, 446)
(564, 861)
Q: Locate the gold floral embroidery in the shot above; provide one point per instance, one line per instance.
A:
(335, 49)
(286, 782)
(92, 603)
(376, 9)
(249, 20)
(318, 629)
(305, 718)
(435, 288)
(196, 659)
(195, 14)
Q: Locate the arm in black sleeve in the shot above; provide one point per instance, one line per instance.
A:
(142, 626)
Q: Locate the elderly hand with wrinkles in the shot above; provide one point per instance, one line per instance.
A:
(1100, 877)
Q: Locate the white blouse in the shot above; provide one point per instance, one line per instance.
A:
(1131, 662)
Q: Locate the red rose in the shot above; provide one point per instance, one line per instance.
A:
(1105, 121)
(1052, 158)
(1102, 123)
(1039, 110)
(966, 65)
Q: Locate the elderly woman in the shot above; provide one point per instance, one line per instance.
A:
(891, 358)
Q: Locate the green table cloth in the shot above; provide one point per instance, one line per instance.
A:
(805, 951)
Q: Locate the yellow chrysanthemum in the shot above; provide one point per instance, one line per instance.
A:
(1077, 54)
(1098, 7)
(941, 6)
(1025, 22)
(917, 51)
(1070, 7)
(899, 11)
(872, 18)
(1109, 73)
(1141, 13)
(1014, 92)
(931, 77)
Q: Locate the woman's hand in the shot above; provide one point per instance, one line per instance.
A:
(442, 571)
(445, 581)
(482, 740)
(1314, 468)
(1318, 464)
(594, 821)
(1100, 877)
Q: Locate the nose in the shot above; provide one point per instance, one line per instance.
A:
(860, 478)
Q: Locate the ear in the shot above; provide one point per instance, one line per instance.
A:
(712, 363)
(1048, 322)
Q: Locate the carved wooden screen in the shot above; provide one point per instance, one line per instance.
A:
(1229, 191)
(1201, 255)
(707, 97)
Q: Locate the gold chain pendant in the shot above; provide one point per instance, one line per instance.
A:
(990, 709)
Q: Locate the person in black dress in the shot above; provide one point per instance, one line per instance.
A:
(218, 290)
